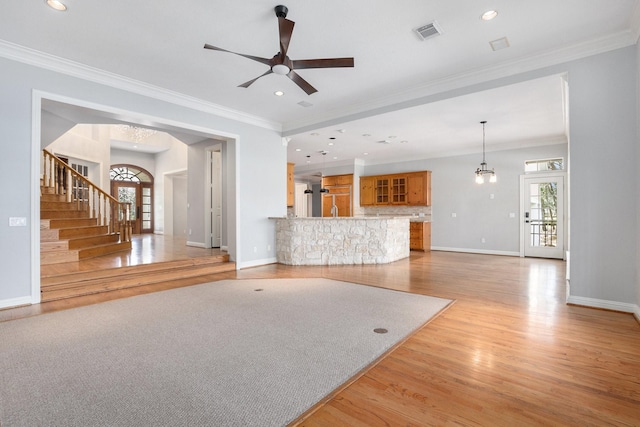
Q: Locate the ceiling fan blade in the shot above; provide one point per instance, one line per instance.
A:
(250, 82)
(322, 63)
(255, 58)
(304, 85)
(286, 29)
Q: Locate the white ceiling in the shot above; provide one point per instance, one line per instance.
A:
(161, 44)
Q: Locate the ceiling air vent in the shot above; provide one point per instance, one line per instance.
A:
(429, 30)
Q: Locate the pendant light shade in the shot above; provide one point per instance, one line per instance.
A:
(483, 170)
(322, 189)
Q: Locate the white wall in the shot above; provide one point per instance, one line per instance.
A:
(174, 159)
(20, 91)
(145, 161)
(179, 214)
(86, 143)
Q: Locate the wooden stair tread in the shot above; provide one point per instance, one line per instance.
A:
(63, 214)
(52, 234)
(49, 223)
(131, 279)
(71, 255)
(143, 268)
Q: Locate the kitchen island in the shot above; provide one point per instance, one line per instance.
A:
(341, 240)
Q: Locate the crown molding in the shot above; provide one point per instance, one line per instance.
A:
(74, 69)
(418, 95)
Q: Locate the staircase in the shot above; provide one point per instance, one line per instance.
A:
(78, 221)
(67, 285)
(69, 234)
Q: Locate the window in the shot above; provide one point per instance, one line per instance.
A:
(544, 165)
(128, 173)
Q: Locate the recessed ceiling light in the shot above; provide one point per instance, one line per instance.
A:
(366, 154)
(342, 130)
(298, 149)
(315, 134)
(278, 93)
(366, 134)
(331, 143)
(335, 158)
(489, 15)
(57, 5)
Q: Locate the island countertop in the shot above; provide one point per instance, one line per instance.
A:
(411, 218)
(342, 240)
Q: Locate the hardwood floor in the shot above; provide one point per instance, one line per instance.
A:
(509, 351)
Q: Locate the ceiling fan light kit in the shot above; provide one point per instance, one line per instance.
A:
(281, 64)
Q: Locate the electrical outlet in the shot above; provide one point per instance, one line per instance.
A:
(255, 249)
(269, 248)
(453, 215)
(483, 241)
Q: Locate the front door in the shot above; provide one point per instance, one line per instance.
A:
(139, 198)
(543, 216)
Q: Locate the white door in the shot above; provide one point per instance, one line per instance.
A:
(543, 216)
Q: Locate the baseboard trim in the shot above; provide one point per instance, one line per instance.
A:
(15, 302)
(475, 251)
(256, 263)
(196, 244)
(605, 304)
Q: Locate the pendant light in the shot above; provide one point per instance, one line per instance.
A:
(322, 189)
(482, 170)
(308, 191)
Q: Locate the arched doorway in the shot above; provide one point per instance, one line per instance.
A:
(132, 184)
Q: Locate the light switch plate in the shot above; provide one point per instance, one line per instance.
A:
(17, 222)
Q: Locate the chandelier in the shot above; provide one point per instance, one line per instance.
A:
(482, 170)
(135, 133)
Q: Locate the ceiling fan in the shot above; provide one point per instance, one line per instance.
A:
(282, 64)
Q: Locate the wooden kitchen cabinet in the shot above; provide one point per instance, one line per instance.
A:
(399, 190)
(291, 185)
(420, 236)
(408, 189)
(419, 185)
(330, 181)
(367, 190)
(382, 190)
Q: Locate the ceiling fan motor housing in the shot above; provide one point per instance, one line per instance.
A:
(281, 11)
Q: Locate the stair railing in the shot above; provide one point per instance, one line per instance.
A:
(86, 196)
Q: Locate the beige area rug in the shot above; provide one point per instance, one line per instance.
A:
(228, 353)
